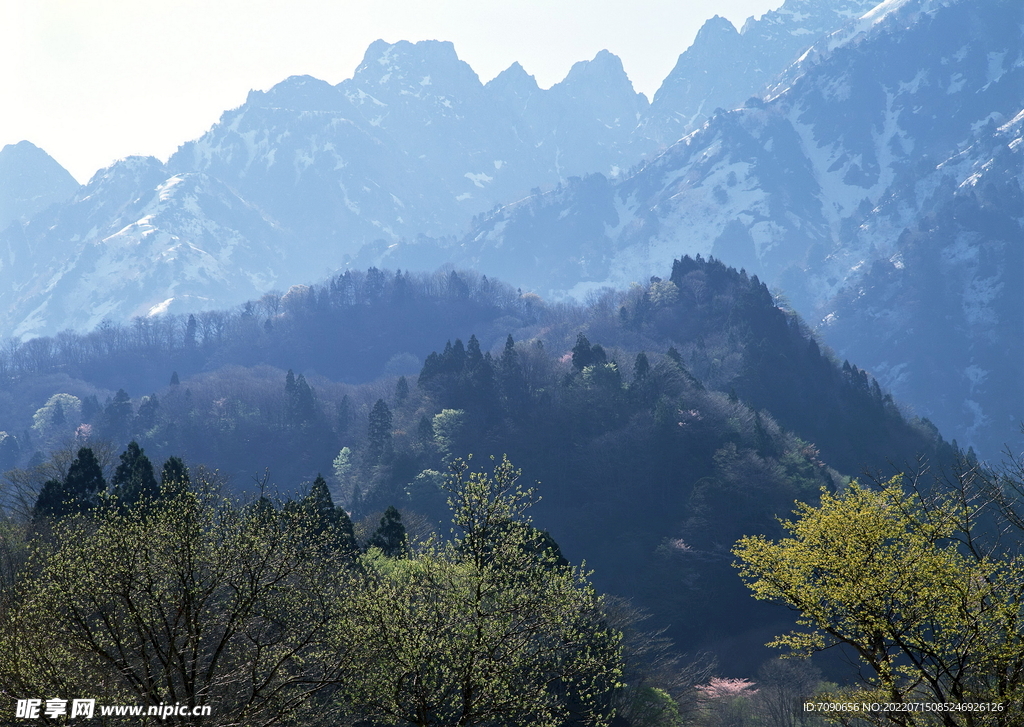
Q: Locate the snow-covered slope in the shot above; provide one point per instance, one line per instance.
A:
(724, 67)
(857, 150)
(940, 321)
(864, 139)
(30, 181)
(802, 187)
(319, 176)
(414, 144)
(152, 242)
(287, 187)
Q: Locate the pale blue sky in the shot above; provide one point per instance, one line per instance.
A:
(91, 81)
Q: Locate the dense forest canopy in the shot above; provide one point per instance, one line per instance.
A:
(662, 424)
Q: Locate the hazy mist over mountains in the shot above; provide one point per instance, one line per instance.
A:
(796, 268)
(864, 162)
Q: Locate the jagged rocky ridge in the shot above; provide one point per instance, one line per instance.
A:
(885, 130)
(816, 185)
(306, 176)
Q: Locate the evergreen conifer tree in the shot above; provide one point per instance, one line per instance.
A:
(390, 535)
(378, 431)
(303, 403)
(344, 414)
(581, 354)
(50, 502)
(190, 331)
(145, 418)
(401, 390)
(134, 480)
(511, 380)
(59, 420)
(328, 521)
(456, 358)
(90, 407)
(116, 417)
(78, 493)
(174, 476)
(10, 450)
(641, 367)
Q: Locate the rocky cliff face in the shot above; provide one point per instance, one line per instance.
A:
(885, 135)
(413, 144)
(288, 186)
(724, 67)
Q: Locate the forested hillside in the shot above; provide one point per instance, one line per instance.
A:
(663, 422)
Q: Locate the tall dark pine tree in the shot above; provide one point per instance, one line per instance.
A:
(146, 417)
(299, 400)
(511, 380)
(378, 431)
(344, 415)
(303, 403)
(390, 535)
(190, 331)
(59, 419)
(641, 367)
(116, 417)
(134, 480)
(10, 450)
(642, 386)
(477, 379)
(455, 357)
(78, 493)
(90, 407)
(401, 390)
(174, 478)
(328, 521)
(583, 354)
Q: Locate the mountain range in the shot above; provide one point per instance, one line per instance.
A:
(862, 160)
(877, 185)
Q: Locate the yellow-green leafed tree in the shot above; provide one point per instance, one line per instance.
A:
(190, 600)
(907, 584)
(489, 628)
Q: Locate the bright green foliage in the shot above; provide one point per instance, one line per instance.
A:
(261, 613)
(903, 583)
(478, 631)
(448, 426)
(198, 602)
